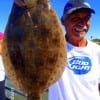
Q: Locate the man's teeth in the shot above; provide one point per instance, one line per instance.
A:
(80, 29)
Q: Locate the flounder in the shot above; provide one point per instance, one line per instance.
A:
(34, 47)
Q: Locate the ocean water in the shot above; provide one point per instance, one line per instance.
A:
(14, 94)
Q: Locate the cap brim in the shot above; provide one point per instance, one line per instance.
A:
(78, 8)
(91, 10)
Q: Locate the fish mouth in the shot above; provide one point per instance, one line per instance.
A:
(27, 3)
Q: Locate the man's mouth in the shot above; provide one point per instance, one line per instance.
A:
(80, 29)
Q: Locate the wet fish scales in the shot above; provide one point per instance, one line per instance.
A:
(34, 48)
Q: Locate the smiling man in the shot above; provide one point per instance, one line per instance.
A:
(81, 77)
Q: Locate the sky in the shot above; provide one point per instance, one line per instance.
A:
(58, 5)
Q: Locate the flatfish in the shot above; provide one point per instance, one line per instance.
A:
(34, 47)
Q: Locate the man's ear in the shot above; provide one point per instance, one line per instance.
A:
(62, 21)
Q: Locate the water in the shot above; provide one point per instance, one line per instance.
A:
(14, 94)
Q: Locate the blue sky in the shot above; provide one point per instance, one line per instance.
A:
(58, 5)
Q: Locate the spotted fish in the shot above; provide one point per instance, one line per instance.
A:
(34, 47)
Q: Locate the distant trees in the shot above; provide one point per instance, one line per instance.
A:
(96, 40)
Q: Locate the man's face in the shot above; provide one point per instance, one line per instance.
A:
(77, 24)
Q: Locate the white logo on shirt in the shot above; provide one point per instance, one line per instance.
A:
(79, 65)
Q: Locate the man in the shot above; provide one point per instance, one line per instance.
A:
(81, 77)
(2, 71)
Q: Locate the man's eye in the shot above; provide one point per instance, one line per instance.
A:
(87, 17)
(75, 19)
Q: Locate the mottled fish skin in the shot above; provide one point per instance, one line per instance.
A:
(34, 48)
